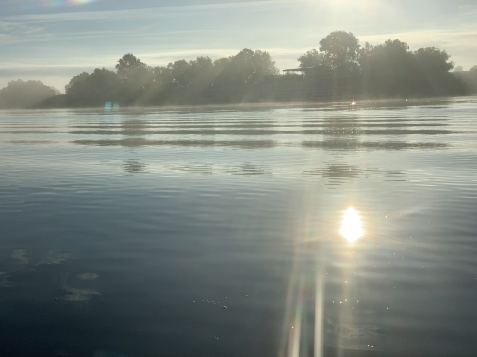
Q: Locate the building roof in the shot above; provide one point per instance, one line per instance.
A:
(302, 69)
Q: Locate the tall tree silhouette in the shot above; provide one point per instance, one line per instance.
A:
(340, 52)
(136, 78)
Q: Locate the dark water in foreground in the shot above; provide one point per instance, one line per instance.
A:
(125, 233)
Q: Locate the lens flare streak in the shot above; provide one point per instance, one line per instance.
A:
(64, 3)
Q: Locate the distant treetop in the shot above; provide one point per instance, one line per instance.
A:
(20, 94)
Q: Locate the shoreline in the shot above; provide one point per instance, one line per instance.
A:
(244, 106)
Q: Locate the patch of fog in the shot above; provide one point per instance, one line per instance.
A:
(54, 258)
(20, 256)
(88, 276)
(80, 295)
(4, 280)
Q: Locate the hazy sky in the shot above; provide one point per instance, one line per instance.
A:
(52, 40)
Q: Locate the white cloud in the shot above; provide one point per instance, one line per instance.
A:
(466, 9)
(11, 32)
(10, 27)
(143, 13)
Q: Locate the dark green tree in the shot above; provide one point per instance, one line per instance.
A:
(434, 66)
(392, 70)
(136, 79)
(77, 81)
(246, 68)
(202, 75)
(387, 69)
(181, 74)
(311, 58)
(128, 65)
(94, 89)
(340, 51)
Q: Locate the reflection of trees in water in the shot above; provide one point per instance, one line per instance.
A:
(139, 142)
(372, 145)
(337, 174)
(338, 126)
(338, 133)
(205, 126)
(339, 171)
(201, 169)
(395, 176)
(133, 166)
(134, 127)
(350, 132)
(248, 169)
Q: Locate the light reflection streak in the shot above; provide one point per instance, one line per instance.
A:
(295, 331)
(296, 326)
(319, 301)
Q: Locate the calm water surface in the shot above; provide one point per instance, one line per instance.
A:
(126, 233)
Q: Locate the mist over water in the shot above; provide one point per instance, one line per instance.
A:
(126, 233)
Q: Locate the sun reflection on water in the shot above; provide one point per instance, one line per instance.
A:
(351, 225)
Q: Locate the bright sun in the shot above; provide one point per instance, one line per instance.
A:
(351, 226)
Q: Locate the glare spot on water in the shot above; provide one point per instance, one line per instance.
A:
(351, 226)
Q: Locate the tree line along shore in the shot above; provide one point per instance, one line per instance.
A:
(340, 69)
